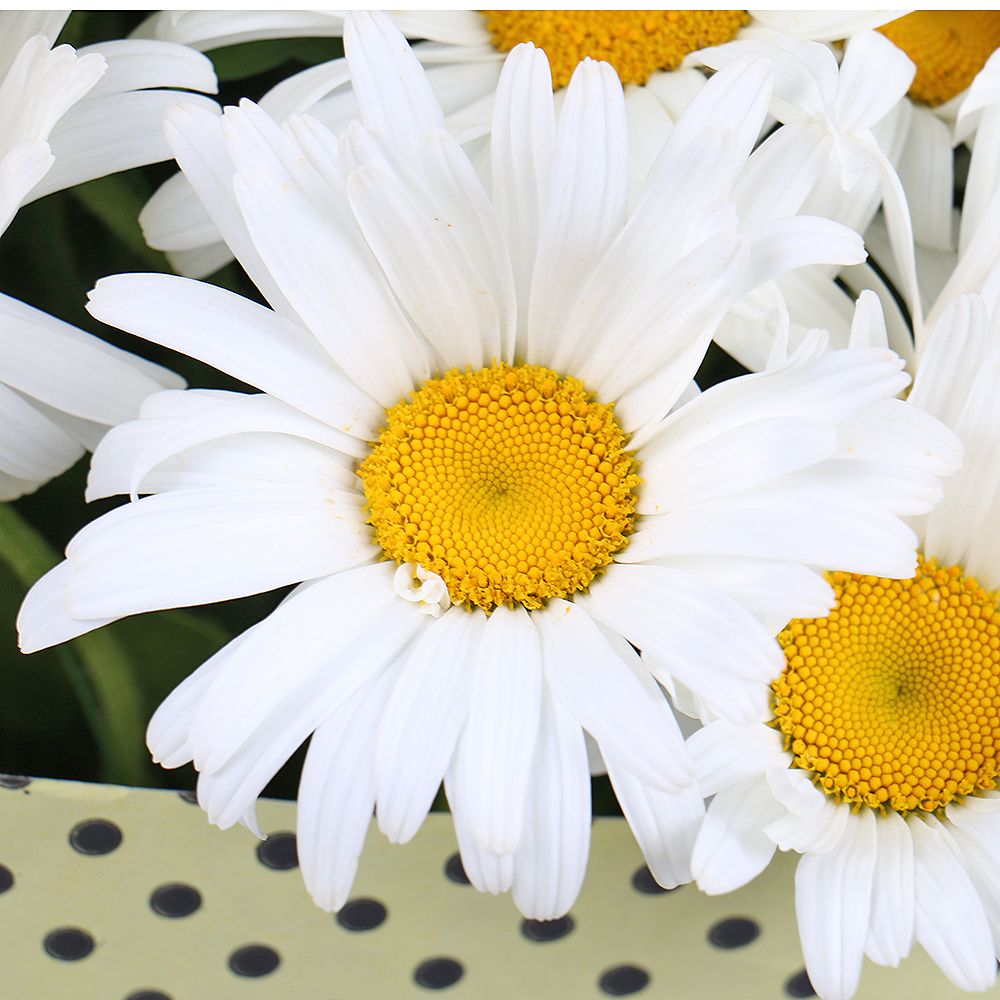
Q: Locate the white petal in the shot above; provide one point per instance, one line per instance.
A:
(551, 858)
(665, 824)
(495, 754)
(725, 754)
(432, 276)
(731, 848)
(486, 870)
(423, 718)
(874, 76)
(798, 520)
(630, 722)
(138, 64)
(248, 414)
(196, 546)
(337, 794)
(951, 923)
(70, 370)
(32, 446)
(392, 90)
(765, 587)
(239, 337)
(195, 138)
(522, 144)
(586, 202)
(306, 647)
(890, 929)
(112, 133)
(43, 620)
(691, 631)
(832, 902)
(345, 305)
(925, 171)
(741, 458)
(308, 694)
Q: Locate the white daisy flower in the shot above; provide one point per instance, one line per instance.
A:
(463, 52)
(878, 760)
(459, 396)
(68, 117)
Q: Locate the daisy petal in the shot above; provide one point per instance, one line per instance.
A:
(521, 147)
(392, 90)
(423, 718)
(228, 793)
(665, 824)
(587, 197)
(236, 336)
(552, 856)
(43, 621)
(890, 930)
(495, 754)
(731, 850)
(301, 648)
(832, 903)
(703, 638)
(951, 924)
(591, 682)
(337, 794)
(211, 545)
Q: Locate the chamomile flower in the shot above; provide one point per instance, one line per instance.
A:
(463, 52)
(460, 454)
(878, 759)
(68, 117)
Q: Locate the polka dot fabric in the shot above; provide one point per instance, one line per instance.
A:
(164, 907)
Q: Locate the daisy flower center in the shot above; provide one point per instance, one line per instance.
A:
(510, 483)
(894, 700)
(636, 42)
(949, 47)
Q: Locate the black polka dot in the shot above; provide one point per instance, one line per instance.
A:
(6, 878)
(438, 973)
(175, 900)
(624, 980)
(69, 944)
(547, 930)
(190, 798)
(799, 985)
(278, 851)
(643, 881)
(455, 870)
(735, 932)
(14, 781)
(95, 836)
(147, 995)
(362, 914)
(254, 960)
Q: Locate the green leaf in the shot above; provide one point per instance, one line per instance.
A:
(119, 673)
(116, 202)
(237, 62)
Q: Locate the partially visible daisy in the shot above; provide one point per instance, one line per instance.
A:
(68, 117)
(879, 758)
(461, 448)
(463, 52)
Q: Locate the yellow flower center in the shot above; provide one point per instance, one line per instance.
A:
(510, 483)
(893, 701)
(636, 42)
(949, 47)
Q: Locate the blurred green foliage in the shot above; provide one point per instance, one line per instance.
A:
(79, 711)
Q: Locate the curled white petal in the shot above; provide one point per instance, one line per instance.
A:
(420, 586)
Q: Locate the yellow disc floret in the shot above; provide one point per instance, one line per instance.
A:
(949, 47)
(893, 702)
(636, 42)
(510, 483)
